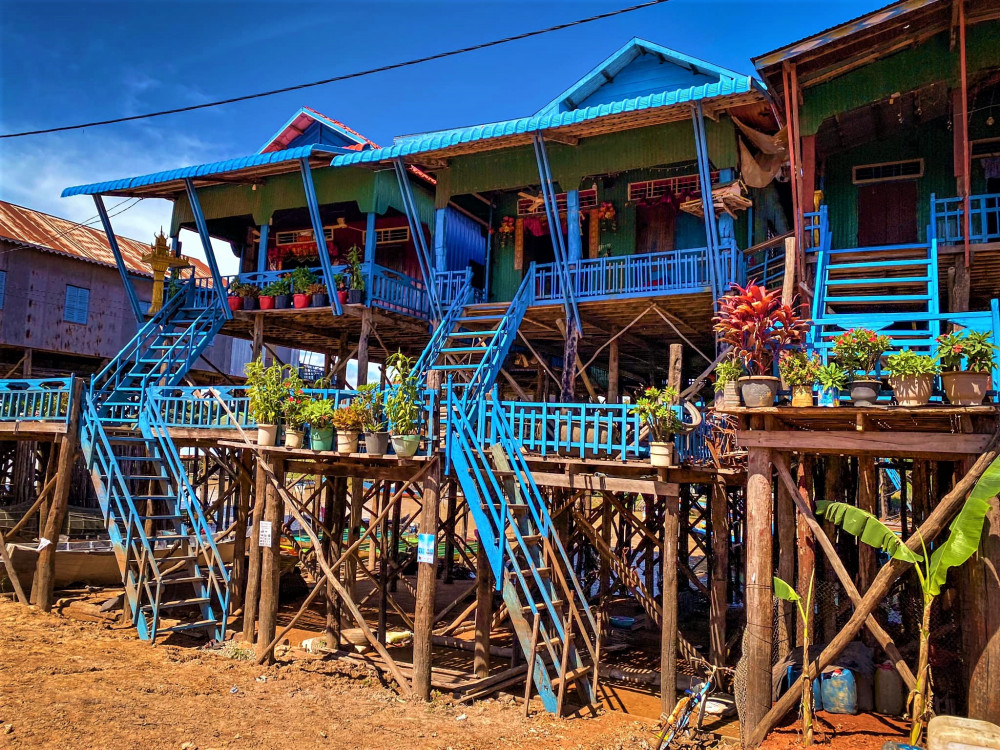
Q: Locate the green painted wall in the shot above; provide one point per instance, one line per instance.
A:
(931, 141)
(904, 71)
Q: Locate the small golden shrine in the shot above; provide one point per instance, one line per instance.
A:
(160, 260)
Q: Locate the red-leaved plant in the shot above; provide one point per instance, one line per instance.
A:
(757, 326)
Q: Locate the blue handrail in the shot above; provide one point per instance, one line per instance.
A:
(36, 400)
(948, 218)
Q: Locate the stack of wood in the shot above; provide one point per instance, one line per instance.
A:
(726, 199)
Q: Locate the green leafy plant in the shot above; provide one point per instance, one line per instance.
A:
(831, 375)
(402, 403)
(727, 371)
(348, 418)
(962, 543)
(370, 401)
(757, 326)
(301, 279)
(318, 413)
(975, 348)
(798, 368)
(316, 288)
(250, 290)
(266, 391)
(340, 281)
(354, 270)
(656, 407)
(295, 400)
(859, 350)
(907, 363)
(784, 591)
(277, 287)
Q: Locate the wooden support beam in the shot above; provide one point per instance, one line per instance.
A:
(45, 570)
(484, 610)
(613, 373)
(251, 600)
(867, 499)
(806, 541)
(935, 445)
(239, 575)
(759, 607)
(423, 619)
(270, 569)
(366, 330)
(719, 594)
(668, 632)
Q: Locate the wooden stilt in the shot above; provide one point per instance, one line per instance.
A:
(613, 388)
(668, 632)
(449, 539)
(239, 576)
(484, 610)
(787, 616)
(270, 563)
(257, 343)
(366, 331)
(867, 499)
(757, 638)
(719, 598)
(251, 602)
(45, 570)
(806, 540)
(423, 619)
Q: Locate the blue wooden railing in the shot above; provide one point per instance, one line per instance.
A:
(451, 283)
(35, 400)
(672, 272)
(397, 292)
(948, 222)
(816, 230)
(766, 265)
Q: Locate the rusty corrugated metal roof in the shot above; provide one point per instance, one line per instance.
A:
(41, 231)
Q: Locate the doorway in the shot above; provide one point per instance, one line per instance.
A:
(887, 213)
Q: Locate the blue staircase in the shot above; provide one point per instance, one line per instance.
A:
(170, 564)
(472, 341)
(548, 609)
(891, 289)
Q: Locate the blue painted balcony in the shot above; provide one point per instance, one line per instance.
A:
(948, 219)
(630, 276)
(40, 401)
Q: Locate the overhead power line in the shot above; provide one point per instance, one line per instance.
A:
(345, 77)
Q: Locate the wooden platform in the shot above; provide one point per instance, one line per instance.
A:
(305, 461)
(42, 431)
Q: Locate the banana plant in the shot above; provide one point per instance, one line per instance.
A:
(932, 569)
(783, 590)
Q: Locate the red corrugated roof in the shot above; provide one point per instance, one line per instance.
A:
(41, 231)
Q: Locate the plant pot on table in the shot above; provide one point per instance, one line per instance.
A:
(266, 302)
(376, 443)
(355, 296)
(342, 296)
(280, 301)
(321, 438)
(661, 455)
(267, 434)
(347, 441)
(912, 390)
(802, 395)
(300, 301)
(235, 303)
(293, 437)
(249, 303)
(864, 392)
(320, 300)
(405, 446)
(759, 390)
(828, 397)
(728, 397)
(966, 388)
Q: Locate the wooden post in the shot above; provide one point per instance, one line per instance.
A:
(251, 601)
(759, 605)
(961, 282)
(449, 539)
(239, 577)
(788, 280)
(257, 344)
(423, 618)
(353, 532)
(787, 616)
(45, 570)
(867, 498)
(270, 559)
(613, 392)
(366, 330)
(668, 631)
(718, 593)
(571, 336)
(604, 565)
(484, 610)
(806, 540)
(676, 363)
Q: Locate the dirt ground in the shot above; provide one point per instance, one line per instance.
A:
(842, 732)
(72, 685)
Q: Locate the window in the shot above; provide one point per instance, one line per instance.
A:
(77, 304)
(653, 189)
(531, 206)
(3, 288)
(865, 174)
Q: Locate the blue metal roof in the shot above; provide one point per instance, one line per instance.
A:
(201, 170)
(445, 138)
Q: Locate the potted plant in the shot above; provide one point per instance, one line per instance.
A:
(347, 420)
(859, 351)
(301, 280)
(318, 414)
(283, 290)
(727, 373)
(658, 408)
(757, 326)
(269, 294)
(911, 377)
(831, 379)
(250, 293)
(341, 282)
(966, 387)
(234, 296)
(317, 294)
(402, 407)
(369, 400)
(356, 290)
(292, 410)
(799, 370)
(266, 395)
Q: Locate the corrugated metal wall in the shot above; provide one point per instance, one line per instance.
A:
(465, 241)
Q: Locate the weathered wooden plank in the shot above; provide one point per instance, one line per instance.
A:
(906, 444)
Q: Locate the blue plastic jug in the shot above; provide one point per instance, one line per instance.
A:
(840, 692)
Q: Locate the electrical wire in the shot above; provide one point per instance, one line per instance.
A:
(345, 77)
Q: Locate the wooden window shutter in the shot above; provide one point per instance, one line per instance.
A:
(594, 242)
(519, 244)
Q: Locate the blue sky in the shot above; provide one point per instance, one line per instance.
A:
(62, 63)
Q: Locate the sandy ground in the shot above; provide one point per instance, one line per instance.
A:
(842, 732)
(72, 685)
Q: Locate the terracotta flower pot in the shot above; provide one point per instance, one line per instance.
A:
(235, 303)
(661, 455)
(759, 390)
(300, 301)
(267, 434)
(342, 296)
(966, 388)
(293, 438)
(912, 390)
(266, 302)
(865, 392)
(802, 395)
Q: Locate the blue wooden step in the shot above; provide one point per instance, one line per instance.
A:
(455, 367)
(884, 299)
(887, 280)
(879, 264)
(464, 349)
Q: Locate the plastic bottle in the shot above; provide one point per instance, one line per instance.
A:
(840, 694)
(889, 697)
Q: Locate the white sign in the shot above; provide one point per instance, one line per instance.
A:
(426, 548)
(264, 535)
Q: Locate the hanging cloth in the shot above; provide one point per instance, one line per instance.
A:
(758, 172)
(768, 144)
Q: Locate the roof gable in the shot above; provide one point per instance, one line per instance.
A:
(309, 127)
(639, 68)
